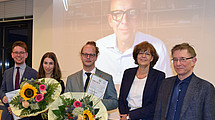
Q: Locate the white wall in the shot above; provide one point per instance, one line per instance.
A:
(42, 30)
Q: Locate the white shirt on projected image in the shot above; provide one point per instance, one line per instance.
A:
(114, 62)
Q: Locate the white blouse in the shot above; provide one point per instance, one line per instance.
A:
(136, 93)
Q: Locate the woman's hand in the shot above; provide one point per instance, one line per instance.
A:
(9, 109)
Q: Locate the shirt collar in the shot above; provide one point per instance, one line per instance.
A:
(112, 43)
(186, 80)
(93, 71)
(23, 66)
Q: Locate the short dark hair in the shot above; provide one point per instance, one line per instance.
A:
(93, 44)
(21, 44)
(145, 46)
(184, 46)
(56, 71)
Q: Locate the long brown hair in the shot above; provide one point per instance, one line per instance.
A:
(56, 71)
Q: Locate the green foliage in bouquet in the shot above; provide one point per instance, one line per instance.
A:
(73, 109)
(34, 96)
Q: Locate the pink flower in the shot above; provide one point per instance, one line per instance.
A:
(39, 97)
(25, 104)
(20, 99)
(42, 87)
(77, 104)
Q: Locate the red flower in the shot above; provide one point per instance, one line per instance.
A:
(77, 104)
(39, 97)
(42, 87)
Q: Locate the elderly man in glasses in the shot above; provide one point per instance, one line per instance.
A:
(79, 81)
(185, 96)
(116, 49)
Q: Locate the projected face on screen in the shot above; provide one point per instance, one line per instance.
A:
(116, 49)
(122, 19)
(117, 26)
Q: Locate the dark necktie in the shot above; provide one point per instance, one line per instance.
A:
(17, 78)
(87, 81)
(172, 109)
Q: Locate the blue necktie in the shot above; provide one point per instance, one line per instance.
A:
(87, 81)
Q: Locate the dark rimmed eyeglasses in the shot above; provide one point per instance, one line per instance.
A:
(144, 53)
(182, 59)
(117, 15)
(21, 53)
(86, 55)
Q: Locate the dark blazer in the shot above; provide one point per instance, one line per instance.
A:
(150, 92)
(75, 84)
(198, 104)
(7, 86)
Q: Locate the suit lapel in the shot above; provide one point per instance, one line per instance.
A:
(190, 95)
(79, 79)
(10, 81)
(167, 93)
(25, 74)
(129, 80)
(97, 72)
(149, 82)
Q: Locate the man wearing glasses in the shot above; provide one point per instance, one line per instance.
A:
(79, 81)
(116, 49)
(15, 75)
(185, 96)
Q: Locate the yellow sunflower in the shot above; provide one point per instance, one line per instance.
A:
(87, 115)
(28, 91)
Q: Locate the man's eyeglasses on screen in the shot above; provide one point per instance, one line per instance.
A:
(117, 15)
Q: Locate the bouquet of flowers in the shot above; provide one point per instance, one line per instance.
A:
(77, 106)
(35, 96)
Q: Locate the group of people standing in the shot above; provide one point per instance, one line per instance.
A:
(145, 94)
(49, 68)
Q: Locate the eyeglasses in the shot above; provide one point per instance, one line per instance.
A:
(182, 59)
(86, 55)
(146, 53)
(117, 15)
(21, 53)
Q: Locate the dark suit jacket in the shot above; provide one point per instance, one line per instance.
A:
(150, 92)
(198, 104)
(75, 84)
(7, 85)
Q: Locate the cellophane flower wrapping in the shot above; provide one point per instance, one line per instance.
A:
(77, 106)
(35, 96)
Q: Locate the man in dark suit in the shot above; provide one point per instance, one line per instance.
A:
(185, 96)
(15, 75)
(77, 82)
